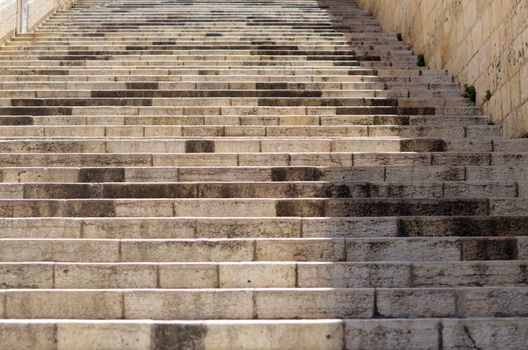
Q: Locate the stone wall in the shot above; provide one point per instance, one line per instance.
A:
(480, 42)
(38, 10)
(8, 10)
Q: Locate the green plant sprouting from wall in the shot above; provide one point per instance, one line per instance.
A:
(470, 92)
(420, 60)
(487, 96)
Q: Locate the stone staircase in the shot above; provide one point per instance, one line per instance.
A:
(250, 174)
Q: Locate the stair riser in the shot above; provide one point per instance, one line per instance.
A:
(265, 190)
(273, 335)
(263, 275)
(174, 228)
(412, 249)
(166, 172)
(265, 304)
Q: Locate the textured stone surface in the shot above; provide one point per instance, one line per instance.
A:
(471, 44)
(249, 174)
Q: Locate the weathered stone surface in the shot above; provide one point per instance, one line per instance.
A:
(188, 305)
(392, 334)
(306, 303)
(27, 336)
(283, 335)
(485, 334)
(246, 174)
(410, 303)
(104, 335)
(63, 304)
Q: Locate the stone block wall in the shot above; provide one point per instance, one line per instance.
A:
(8, 10)
(38, 10)
(480, 42)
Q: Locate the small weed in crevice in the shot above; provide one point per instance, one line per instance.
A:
(524, 135)
(470, 92)
(491, 122)
(487, 96)
(420, 60)
(399, 36)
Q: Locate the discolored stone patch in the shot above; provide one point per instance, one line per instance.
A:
(142, 86)
(199, 146)
(313, 208)
(464, 226)
(295, 174)
(19, 120)
(178, 336)
(423, 145)
(102, 175)
(489, 249)
(99, 208)
(149, 191)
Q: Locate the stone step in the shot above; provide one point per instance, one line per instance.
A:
(270, 303)
(349, 334)
(384, 73)
(58, 168)
(156, 57)
(271, 227)
(266, 144)
(231, 38)
(294, 47)
(283, 172)
(268, 159)
(472, 123)
(247, 189)
(174, 53)
(265, 249)
(245, 99)
(243, 107)
(12, 96)
(69, 275)
(368, 89)
(48, 87)
(231, 144)
(143, 107)
(262, 207)
(290, 99)
(115, 131)
(228, 76)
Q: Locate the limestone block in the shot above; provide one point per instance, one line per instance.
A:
(115, 335)
(275, 335)
(59, 250)
(63, 304)
(90, 276)
(300, 250)
(188, 275)
(27, 336)
(257, 275)
(410, 249)
(248, 227)
(349, 227)
(392, 334)
(486, 334)
(187, 250)
(451, 274)
(353, 275)
(314, 303)
(26, 275)
(409, 303)
(191, 304)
